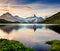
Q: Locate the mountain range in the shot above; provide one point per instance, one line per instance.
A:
(10, 18)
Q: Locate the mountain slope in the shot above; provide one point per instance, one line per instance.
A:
(7, 17)
(5, 21)
(54, 19)
(21, 20)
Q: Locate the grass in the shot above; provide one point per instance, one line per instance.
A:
(56, 22)
(55, 45)
(11, 45)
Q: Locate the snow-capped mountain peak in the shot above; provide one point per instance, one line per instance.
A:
(34, 19)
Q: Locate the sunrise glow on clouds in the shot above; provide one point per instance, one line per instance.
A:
(26, 8)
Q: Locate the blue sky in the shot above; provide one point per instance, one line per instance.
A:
(26, 8)
(38, 1)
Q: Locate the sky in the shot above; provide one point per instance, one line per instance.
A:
(27, 8)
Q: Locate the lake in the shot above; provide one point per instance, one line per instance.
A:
(31, 35)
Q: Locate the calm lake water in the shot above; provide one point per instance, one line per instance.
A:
(31, 35)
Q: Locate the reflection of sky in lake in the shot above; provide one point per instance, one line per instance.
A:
(30, 35)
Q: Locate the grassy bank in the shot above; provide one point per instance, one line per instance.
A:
(11, 45)
(55, 45)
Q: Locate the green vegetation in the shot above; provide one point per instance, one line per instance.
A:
(55, 45)
(56, 22)
(11, 45)
(5, 21)
(55, 19)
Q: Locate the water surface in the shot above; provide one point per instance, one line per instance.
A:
(31, 35)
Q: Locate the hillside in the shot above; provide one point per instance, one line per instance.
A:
(54, 19)
(5, 21)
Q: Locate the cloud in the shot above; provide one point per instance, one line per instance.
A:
(17, 7)
(12, 1)
(47, 12)
(6, 1)
(43, 9)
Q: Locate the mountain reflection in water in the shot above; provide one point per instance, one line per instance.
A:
(9, 28)
(55, 28)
